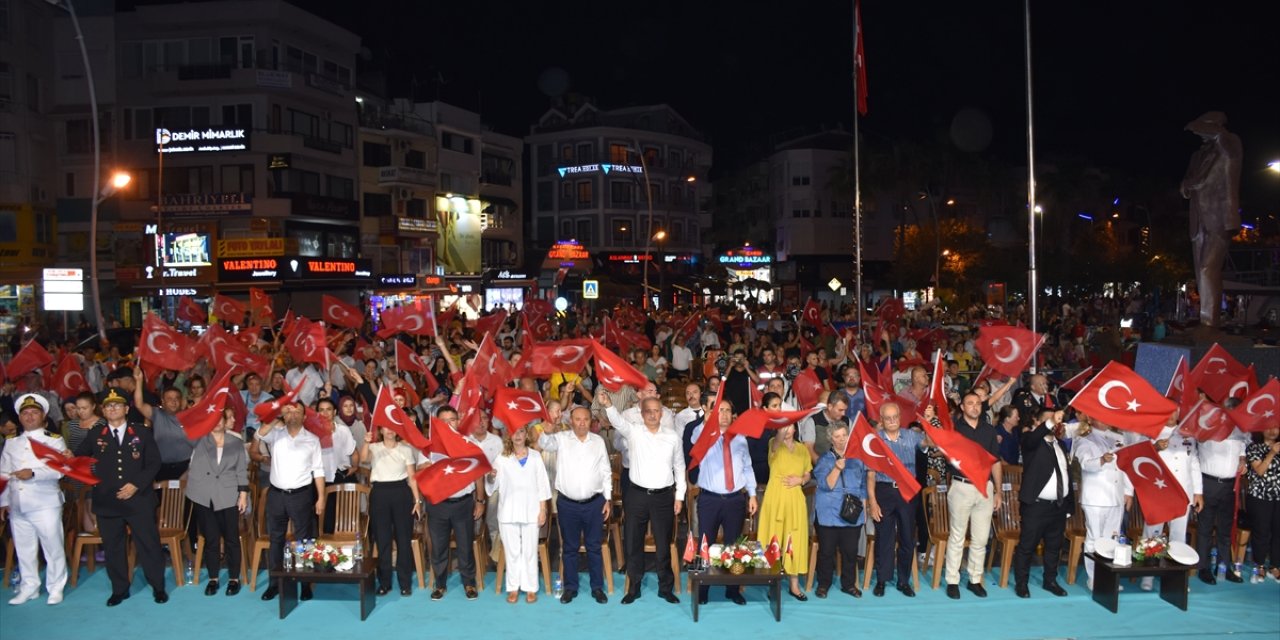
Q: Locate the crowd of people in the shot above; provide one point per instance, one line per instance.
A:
(598, 451)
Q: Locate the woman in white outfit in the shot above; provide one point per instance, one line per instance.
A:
(520, 478)
(34, 502)
(1102, 487)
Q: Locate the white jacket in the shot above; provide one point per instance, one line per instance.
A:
(521, 488)
(1102, 484)
(42, 490)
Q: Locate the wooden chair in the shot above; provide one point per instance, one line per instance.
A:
(1008, 526)
(417, 546)
(199, 555)
(1076, 528)
(544, 560)
(260, 538)
(351, 517)
(651, 546)
(938, 521)
(87, 541)
(172, 519)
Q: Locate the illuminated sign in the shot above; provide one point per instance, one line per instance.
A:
(599, 168)
(398, 280)
(248, 269)
(193, 140)
(241, 247)
(416, 225)
(507, 275)
(279, 160)
(630, 258)
(591, 289)
(568, 250)
(747, 257)
(176, 291)
(194, 204)
(330, 268)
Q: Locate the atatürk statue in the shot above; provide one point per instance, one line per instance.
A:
(1213, 186)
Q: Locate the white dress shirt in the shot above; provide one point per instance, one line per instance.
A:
(521, 489)
(1050, 490)
(295, 460)
(1103, 484)
(657, 459)
(1222, 459)
(310, 379)
(582, 466)
(339, 455)
(491, 446)
(684, 417)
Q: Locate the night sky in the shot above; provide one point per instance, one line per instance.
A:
(1116, 81)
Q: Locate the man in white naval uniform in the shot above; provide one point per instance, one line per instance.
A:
(1102, 487)
(34, 501)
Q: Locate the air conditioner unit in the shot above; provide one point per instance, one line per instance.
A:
(406, 194)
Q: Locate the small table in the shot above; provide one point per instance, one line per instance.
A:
(361, 574)
(1106, 580)
(717, 576)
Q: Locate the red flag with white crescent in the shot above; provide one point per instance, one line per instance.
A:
(162, 346)
(1117, 395)
(387, 415)
(613, 372)
(77, 468)
(964, 454)
(228, 309)
(866, 445)
(68, 379)
(1260, 410)
(203, 416)
(445, 477)
(516, 408)
(339, 313)
(191, 311)
(30, 357)
(1158, 491)
(754, 421)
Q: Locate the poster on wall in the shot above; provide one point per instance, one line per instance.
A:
(458, 247)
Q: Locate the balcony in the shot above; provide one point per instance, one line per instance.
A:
(372, 119)
(320, 144)
(404, 176)
(204, 72)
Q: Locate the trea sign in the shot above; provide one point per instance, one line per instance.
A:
(194, 140)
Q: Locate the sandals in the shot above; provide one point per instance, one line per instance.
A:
(531, 597)
(512, 597)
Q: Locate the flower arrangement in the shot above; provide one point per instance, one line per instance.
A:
(739, 556)
(1151, 548)
(324, 557)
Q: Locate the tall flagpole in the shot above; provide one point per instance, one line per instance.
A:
(857, 180)
(1032, 280)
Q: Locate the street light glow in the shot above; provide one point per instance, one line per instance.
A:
(1274, 166)
(1039, 209)
(951, 202)
(120, 180)
(660, 235)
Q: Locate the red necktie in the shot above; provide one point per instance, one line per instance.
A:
(1048, 401)
(728, 464)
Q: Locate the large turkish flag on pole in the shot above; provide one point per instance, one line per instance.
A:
(1159, 493)
(1119, 396)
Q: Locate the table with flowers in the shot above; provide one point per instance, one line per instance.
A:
(1149, 558)
(326, 564)
(741, 564)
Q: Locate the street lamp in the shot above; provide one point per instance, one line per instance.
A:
(1274, 166)
(662, 275)
(937, 238)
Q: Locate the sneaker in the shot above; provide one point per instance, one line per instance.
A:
(55, 598)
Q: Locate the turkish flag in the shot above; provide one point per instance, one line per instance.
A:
(1219, 375)
(213, 343)
(1258, 411)
(203, 416)
(613, 372)
(704, 551)
(450, 443)
(223, 386)
(1159, 493)
(966, 455)
(690, 549)
(688, 328)
(490, 369)
(859, 59)
(307, 342)
(1139, 407)
(163, 347)
(319, 425)
(236, 360)
(249, 336)
(537, 306)
(491, 323)
(289, 323)
(807, 388)
(29, 358)
(386, 415)
(68, 379)
(339, 313)
(471, 401)
(753, 422)
(1206, 421)
(568, 356)
(516, 408)
(891, 308)
(537, 324)
(629, 341)
(408, 360)
(191, 311)
(445, 477)
(875, 397)
(268, 411)
(79, 468)
(935, 396)
(228, 309)
(812, 313)
(1076, 383)
(1007, 350)
(1178, 383)
(710, 432)
(866, 445)
(260, 309)
(411, 319)
(772, 552)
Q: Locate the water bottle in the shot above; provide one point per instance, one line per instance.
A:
(190, 573)
(1213, 561)
(1122, 539)
(288, 557)
(557, 589)
(1237, 567)
(1259, 576)
(357, 552)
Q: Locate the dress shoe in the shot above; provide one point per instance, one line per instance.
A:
(1233, 577)
(270, 593)
(737, 599)
(631, 597)
(1022, 591)
(117, 598)
(878, 591)
(978, 589)
(907, 590)
(307, 594)
(1207, 577)
(24, 596)
(853, 591)
(471, 592)
(405, 592)
(953, 591)
(160, 596)
(233, 587)
(568, 596)
(55, 598)
(669, 597)
(211, 588)
(438, 593)
(820, 592)
(1056, 589)
(798, 596)
(383, 590)
(600, 596)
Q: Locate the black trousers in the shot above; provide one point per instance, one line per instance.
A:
(1040, 521)
(585, 523)
(391, 518)
(1264, 527)
(299, 508)
(146, 541)
(844, 539)
(644, 508)
(895, 534)
(221, 531)
(1219, 509)
(716, 512)
(453, 517)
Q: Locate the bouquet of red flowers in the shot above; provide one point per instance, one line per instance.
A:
(1151, 548)
(322, 556)
(739, 556)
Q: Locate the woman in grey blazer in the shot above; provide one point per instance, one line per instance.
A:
(218, 485)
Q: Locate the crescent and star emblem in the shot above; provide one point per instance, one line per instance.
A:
(1137, 469)
(1132, 405)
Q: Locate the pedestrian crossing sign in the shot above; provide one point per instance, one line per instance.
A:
(590, 289)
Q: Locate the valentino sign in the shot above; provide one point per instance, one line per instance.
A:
(231, 139)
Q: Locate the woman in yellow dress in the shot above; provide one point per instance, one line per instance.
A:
(784, 513)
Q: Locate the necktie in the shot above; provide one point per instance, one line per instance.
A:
(1057, 471)
(728, 463)
(1048, 401)
(115, 433)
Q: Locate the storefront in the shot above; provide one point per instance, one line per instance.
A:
(749, 274)
(507, 289)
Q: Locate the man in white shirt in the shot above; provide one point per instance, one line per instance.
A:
(34, 501)
(491, 445)
(681, 360)
(297, 484)
(1046, 498)
(1102, 487)
(656, 493)
(692, 411)
(312, 382)
(584, 489)
(1220, 463)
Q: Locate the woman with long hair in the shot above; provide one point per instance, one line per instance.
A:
(520, 479)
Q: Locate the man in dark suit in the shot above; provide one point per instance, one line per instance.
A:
(1046, 500)
(127, 460)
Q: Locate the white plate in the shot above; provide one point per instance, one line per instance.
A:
(1104, 547)
(1182, 553)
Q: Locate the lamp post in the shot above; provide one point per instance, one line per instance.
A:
(648, 242)
(937, 241)
(662, 275)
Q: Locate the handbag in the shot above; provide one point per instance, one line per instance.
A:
(850, 506)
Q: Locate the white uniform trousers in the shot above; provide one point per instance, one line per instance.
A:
(34, 530)
(1099, 523)
(1177, 533)
(520, 545)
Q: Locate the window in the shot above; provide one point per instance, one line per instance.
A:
(618, 153)
(339, 187)
(620, 192)
(8, 225)
(584, 232)
(446, 182)
(585, 156)
(655, 192)
(799, 181)
(304, 123)
(566, 229)
(33, 92)
(817, 210)
(545, 199)
(566, 153)
(652, 156)
(237, 178)
(546, 229)
(308, 182)
(677, 232)
(416, 208)
(200, 117)
(415, 159)
(80, 136)
(544, 160)
(237, 115)
(69, 188)
(377, 204)
(677, 194)
(675, 159)
(800, 213)
(376, 155)
(584, 192)
(6, 85)
(623, 231)
(341, 133)
(277, 121)
(173, 117)
(566, 193)
(455, 142)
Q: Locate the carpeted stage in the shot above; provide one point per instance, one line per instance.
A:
(1225, 610)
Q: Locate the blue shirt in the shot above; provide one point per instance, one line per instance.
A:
(826, 501)
(711, 469)
(857, 404)
(905, 448)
